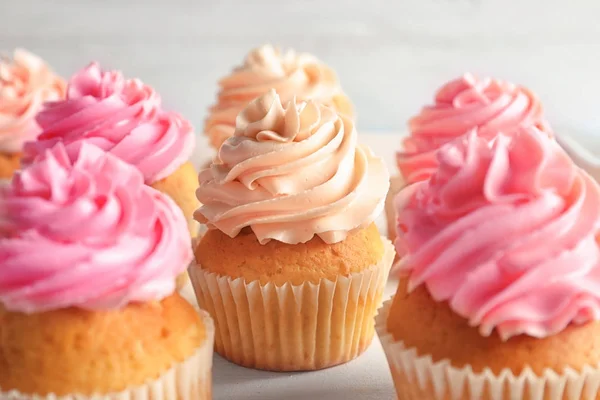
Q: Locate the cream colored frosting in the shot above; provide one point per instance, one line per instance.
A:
(291, 172)
(26, 83)
(291, 74)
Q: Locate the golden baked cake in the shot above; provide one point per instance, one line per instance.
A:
(500, 273)
(88, 260)
(487, 105)
(124, 117)
(26, 83)
(292, 268)
(293, 75)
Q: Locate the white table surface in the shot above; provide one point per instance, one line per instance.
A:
(366, 378)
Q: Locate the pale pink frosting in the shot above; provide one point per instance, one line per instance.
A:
(123, 117)
(292, 172)
(292, 75)
(490, 105)
(507, 234)
(79, 228)
(26, 83)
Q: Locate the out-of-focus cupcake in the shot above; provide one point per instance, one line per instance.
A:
(26, 83)
(292, 267)
(88, 260)
(500, 289)
(488, 105)
(293, 75)
(125, 118)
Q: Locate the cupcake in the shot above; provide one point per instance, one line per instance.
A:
(88, 255)
(26, 83)
(293, 75)
(500, 289)
(292, 267)
(488, 104)
(126, 119)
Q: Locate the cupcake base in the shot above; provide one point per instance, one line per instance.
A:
(9, 164)
(396, 184)
(293, 327)
(188, 380)
(419, 377)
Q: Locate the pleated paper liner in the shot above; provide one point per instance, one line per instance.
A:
(420, 378)
(293, 328)
(188, 380)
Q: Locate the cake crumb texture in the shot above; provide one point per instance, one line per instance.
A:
(433, 328)
(77, 351)
(277, 262)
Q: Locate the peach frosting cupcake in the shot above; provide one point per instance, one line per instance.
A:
(88, 309)
(125, 118)
(488, 105)
(26, 83)
(500, 289)
(292, 266)
(292, 75)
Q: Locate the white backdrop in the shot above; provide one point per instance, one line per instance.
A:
(390, 54)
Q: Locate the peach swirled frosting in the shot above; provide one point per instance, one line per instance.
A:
(121, 116)
(507, 234)
(490, 105)
(26, 83)
(79, 228)
(292, 75)
(292, 172)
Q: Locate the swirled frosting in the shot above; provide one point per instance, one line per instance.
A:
(507, 234)
(292, 172)
(123, 117)
(490, 105)
(26, 83)
(79, 228)
(291, 74)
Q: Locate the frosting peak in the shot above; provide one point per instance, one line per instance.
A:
(80, 229)
(489, 105)
(291, 173)
(121, 116)
(292, 75)
(26, 83)
(506, 233)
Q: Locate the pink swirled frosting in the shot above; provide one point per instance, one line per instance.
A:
(490, 105)
(507, 234)
(123, 117)
(292, 75)
(80, 229)
(292, 172)
(26, 83)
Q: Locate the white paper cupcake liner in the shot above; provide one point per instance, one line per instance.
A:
(293, 327)
(420, 378)
(188, 380)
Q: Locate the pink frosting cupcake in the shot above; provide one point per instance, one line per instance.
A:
(501, 261)
(125, 118)
(293, 75)
(87, 253)
(487, 105)
(26, 83)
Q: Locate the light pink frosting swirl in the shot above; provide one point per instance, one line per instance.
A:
(507, 234)
(292, 75)
(123, 117)
(80, 229)
(290, 173)
(26, 83)
(490, 105)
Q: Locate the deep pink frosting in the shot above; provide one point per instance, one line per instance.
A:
(79, 228)
(507, 234)
(490, 105)
(123, 117)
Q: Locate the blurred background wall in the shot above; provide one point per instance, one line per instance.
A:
(390, 54)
